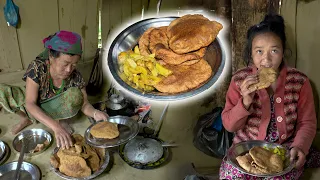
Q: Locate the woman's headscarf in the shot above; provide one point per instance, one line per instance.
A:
(62, 41)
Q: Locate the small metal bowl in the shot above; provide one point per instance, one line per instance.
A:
(6, 154)
(32, 138)
(28, 171)
(2, 149)
(128, 129)
(244, 147)
(102, 168)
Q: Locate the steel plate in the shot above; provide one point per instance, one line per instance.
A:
(128, 129)
(101, 169)
(244, 147)
(6, 154)
(2, 149)
(128, 38)
(28, 171)
(32, 137)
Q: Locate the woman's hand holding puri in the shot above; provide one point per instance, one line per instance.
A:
(99, 115)
(247, 93)
(63, 137)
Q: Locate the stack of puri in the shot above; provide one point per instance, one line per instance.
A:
(180, 47)
(79, 161)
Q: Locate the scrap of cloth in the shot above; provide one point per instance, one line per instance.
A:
(62, 41)
(62, 106)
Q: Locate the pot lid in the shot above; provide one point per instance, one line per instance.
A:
(143, 150)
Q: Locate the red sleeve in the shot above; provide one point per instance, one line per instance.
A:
(306, 125)
(234, 114)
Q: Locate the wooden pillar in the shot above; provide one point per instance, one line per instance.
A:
(246, 13)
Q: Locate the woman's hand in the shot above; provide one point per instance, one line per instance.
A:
(297, 155)
(99, 115)
(247, 93)
(63, 138)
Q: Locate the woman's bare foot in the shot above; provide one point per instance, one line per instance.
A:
(21, 125)
(64, 123)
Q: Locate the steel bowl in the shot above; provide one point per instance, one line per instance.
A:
(32, 138)
(128, 129)
(244, 147)
(101, 169)
(28, 171)
(6, 154)
(129, 37)
(2, 149)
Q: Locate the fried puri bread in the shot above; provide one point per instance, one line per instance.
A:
(158, 45)
(170, 57)
(192, 32)
(185, 77)
(144, 42)
(266, 77)
(260, 161)
(93, 159)
(158, 36)
(245, 162)
(266, 159)
(74, 166)
(55, 161)
(105, 129)
(80, 160)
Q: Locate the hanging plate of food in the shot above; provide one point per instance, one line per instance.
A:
(168, 58)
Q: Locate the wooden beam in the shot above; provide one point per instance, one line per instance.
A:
(10, 59)
(289, 12)
(36, 24)
(246, 13)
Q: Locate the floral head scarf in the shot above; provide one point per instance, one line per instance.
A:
(62, 41)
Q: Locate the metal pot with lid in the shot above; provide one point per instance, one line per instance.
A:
(143, 150)
(116, 102)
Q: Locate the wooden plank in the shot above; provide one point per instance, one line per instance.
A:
(126, 10)
(289, 12)
(72, 17)
(166, 6)
(10, 59)
(36, 24)
(115, 13)
(105, 21)
(89, 30)
(136, 9)
(308, 43)
(245, 13)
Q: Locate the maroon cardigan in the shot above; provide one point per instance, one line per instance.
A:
(294, 110)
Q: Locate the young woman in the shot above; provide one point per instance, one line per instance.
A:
(283, 113)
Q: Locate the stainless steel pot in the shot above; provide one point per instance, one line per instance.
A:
(128, 38)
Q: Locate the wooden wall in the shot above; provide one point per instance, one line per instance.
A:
(246, 13)
(303, 27)
(115, 12)
(40, 18)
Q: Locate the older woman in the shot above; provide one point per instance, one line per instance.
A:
(55, 90)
